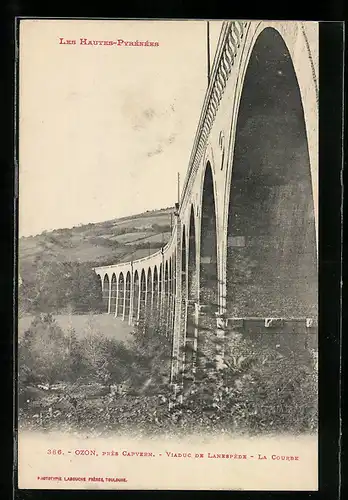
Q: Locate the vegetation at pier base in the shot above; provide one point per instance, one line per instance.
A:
(97, 384)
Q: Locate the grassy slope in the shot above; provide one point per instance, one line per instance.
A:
(102, 243)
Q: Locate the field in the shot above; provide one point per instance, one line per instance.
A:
(98, 244)
(110, 326)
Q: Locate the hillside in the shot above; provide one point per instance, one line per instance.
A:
(102, 243)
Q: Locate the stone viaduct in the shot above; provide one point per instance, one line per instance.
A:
(242, 256)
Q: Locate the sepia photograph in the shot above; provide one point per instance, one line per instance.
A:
(168, 254)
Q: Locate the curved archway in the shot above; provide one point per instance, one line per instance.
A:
(136, 292)
(271, 250)
(191, 334)
(149, 293)
(120, 305)
(160, 288)
(100, 293)
(106, 292)
(166, 297)
(127, 295)
(208, 250)
(183, 282)
(183, 265)
(170, 288)
(192, 268)
(173, 286)
(170, 278)
(113, 294)
(155, 292)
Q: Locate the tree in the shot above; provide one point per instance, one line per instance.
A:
(43, 352)
(58, 286)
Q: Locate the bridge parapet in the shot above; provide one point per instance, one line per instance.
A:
(229, 43)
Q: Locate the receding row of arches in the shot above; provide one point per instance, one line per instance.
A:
(269, 261)
(146, 293)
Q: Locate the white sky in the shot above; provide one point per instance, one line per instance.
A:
(105, 129)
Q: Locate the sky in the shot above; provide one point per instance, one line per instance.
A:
(104, 130)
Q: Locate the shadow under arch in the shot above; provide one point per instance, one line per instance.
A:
(136, 291)
(127, 296)
(155, 294)
(208, 287)
(106, 291)
(183, 266)
(99, 284)
(149, 295)
(170, 299)
(174, 270)
(120, 305)
(271, 249)
(113, 294)
(142, 305)
(165, 298)
(191, 331)
(192, 267)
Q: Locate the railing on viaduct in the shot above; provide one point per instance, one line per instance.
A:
(190, 286)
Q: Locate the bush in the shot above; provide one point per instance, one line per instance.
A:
(258, 390)
(43, 354)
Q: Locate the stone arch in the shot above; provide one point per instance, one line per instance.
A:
(142, 305)
(192, 278)
(170, 277)
(166, 278)
(208, 287)
(99, 278)
(166, 296)
(127, 296)
(271, 265)
(183, 264)
(173, 286)
(149, 292)
(136, 292)
(106, 292)
(160, 287)
(155, 293)
(113, 298)
(170, 286)
(302, 43)
(192, 260)
(120, 305)
(183, 288)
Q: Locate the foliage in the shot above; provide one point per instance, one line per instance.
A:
(152, 356)
(261, 391)
(97, 382)
(43, 354)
